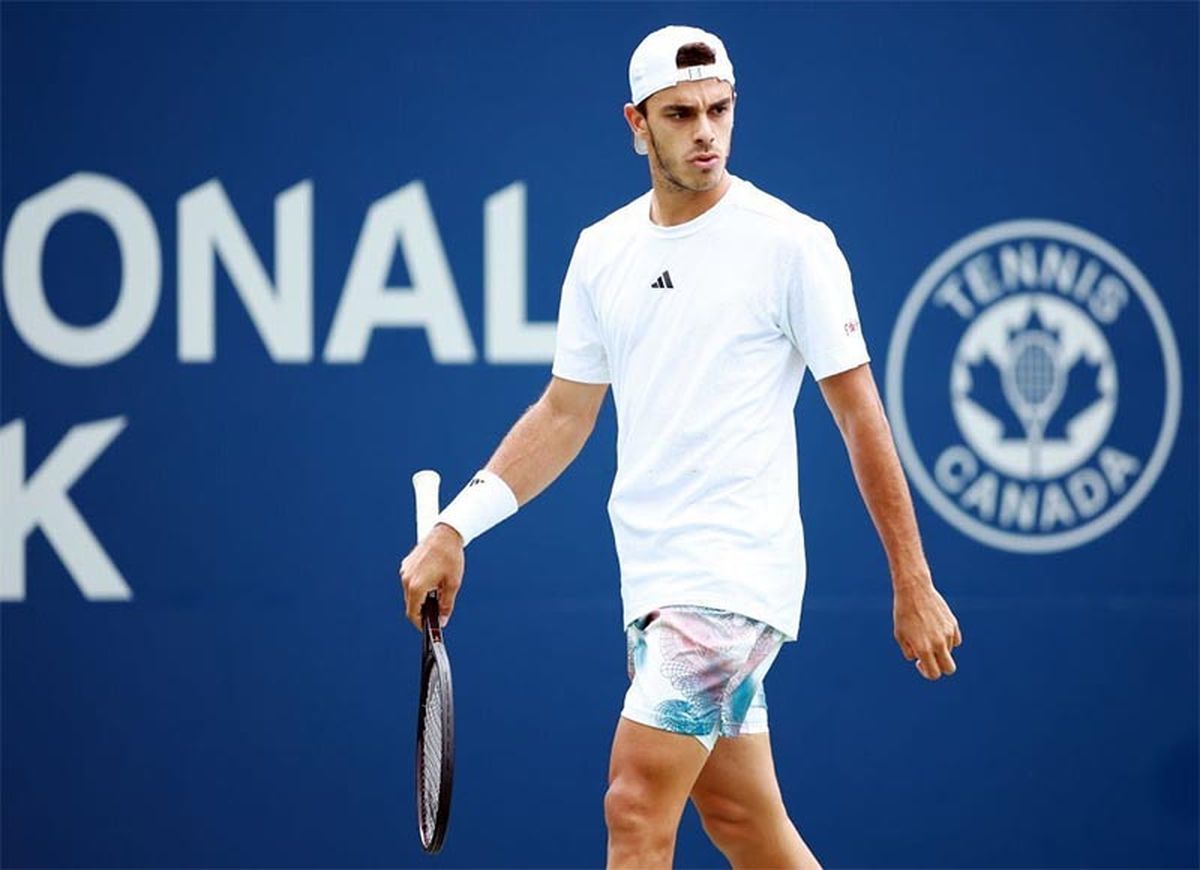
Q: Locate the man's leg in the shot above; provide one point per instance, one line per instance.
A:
(649, 778)
(742, 809)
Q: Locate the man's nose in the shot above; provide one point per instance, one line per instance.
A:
(705, 134)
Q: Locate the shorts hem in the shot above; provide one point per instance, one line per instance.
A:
(653, 721)
(748, 729)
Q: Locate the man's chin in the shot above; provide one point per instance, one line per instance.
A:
(707, 179)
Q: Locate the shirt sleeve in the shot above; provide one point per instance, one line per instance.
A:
(818, 314)
(579, 353)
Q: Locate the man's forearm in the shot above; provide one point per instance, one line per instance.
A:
(925, 628)
(538, 448)
(885, 492)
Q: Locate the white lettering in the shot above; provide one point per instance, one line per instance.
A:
(981, 279)
(1108, 300)
(981, 495)
(141, 271)
(209, 229)
(1118, 467)
(1088, 492)
(1018, 268)
(1018, 505)
(1087, 279)
(405, 219)
(1059, 269)
(1056, 509)
(950, 293)
(42, 502)
(955, 468)
(508, 336)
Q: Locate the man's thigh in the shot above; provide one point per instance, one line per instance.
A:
(658, 767)
(739, 777)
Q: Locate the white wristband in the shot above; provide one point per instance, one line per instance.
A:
(484, 502)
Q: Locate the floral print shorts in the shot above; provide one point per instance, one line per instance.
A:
(699, 671)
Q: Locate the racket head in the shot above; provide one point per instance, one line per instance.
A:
(435, 735)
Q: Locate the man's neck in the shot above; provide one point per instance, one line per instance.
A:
(670, 205)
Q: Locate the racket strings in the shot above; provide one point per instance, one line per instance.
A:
(1034, 372)
(431, 774)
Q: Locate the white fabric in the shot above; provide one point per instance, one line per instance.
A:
(484, 502)
(652, 66)
(705, 375)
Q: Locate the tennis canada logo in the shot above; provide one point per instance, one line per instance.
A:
(1033, 386)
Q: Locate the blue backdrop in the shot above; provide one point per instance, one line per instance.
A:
(239, 688)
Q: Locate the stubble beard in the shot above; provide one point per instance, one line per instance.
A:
(670, 177)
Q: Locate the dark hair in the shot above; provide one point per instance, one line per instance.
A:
(692, 54)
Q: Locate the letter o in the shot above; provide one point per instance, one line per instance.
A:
(141, 270)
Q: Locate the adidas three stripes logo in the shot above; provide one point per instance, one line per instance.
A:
(663, 282)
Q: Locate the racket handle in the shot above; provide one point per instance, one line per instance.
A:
(425, 485)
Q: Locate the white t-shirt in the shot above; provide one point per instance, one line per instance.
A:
(704, 330)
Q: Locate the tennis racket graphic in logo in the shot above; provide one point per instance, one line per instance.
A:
(1031, 381)
(1033, 386)
(1032, 323)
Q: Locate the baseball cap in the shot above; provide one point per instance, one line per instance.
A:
(652, 67)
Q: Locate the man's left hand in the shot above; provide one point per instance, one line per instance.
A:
(926, 629)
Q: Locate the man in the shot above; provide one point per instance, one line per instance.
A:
(702, 302)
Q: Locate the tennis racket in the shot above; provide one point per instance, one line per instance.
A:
(435, 712)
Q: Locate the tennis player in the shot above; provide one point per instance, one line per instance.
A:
(702, 302)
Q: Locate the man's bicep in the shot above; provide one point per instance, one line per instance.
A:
(851, 392)
(575, 398)
(818, 313)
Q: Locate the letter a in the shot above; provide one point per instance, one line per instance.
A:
(402, 219)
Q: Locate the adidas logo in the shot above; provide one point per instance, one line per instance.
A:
(663, 282)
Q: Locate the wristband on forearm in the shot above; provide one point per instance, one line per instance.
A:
(484, 502)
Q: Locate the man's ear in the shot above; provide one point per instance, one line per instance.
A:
(633, 117)
(636, 122)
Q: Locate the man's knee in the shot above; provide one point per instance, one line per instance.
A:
(631, 812)
(730, 823)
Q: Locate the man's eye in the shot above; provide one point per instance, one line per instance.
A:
(721, 110)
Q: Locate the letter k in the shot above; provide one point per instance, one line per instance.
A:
(42, 502)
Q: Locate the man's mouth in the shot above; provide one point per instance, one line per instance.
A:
(707, 160)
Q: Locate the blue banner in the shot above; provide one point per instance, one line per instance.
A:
(263, 262)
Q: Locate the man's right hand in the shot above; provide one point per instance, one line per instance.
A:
(435, 563)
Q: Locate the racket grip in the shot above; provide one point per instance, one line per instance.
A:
(425, 486)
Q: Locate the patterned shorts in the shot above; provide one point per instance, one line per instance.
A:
(699, 671)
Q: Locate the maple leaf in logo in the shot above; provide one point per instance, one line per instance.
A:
(987, 392)
(1080, 394)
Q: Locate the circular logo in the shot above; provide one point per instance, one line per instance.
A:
(1033, 385)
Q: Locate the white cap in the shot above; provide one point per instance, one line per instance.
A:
(652, 67)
